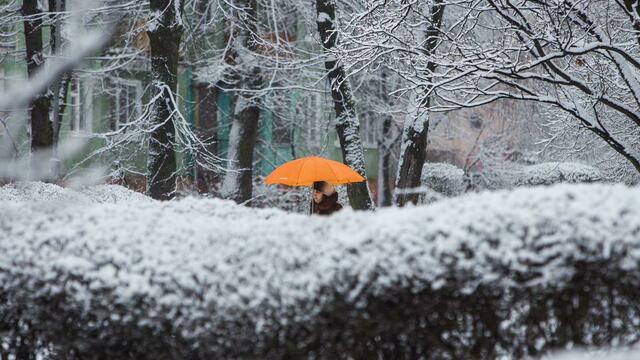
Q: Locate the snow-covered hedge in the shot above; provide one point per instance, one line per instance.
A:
(479, 276)
(558, 172)
(38, 191)
(606, 354)
(443, 178)
(291, 199)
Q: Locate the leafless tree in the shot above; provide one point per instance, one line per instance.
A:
(347, 124)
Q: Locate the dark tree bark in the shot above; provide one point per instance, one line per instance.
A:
(238, 182)
(347, 125)
(58, 116)
(60, 86)
(414, 138)
(41, 125)
(384, 164)
(385, 143)
(165, 44)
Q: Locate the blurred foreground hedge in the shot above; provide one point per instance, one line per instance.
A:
(481, 276)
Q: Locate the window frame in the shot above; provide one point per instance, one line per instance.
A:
(81, 104)
(119, 84)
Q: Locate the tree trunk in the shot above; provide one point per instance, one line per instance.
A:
(165, 44)
(58, 116)
(384, 163)
(347, 125)
(413, 151)
(61, 85)
(384, 152)
(41, 126)
(238, 182)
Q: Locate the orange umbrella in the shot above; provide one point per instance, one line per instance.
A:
(305, 171)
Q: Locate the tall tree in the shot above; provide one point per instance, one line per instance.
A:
(385, 143)
(238, 182)
(41, 125)
(413, 151)
(384, 162)
(347, 124)
(165, 33)
(60, 86)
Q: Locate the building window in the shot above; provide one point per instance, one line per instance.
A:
(8, 34)
(310, 118)
(125, 102)
(315, 119)
(281, 120)
(370, 129)
(448, 127)
(81, 106)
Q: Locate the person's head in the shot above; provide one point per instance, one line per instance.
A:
(322, 189)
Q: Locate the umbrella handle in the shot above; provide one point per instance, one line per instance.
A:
(311, 196)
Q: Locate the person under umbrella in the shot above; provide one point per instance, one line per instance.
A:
(310, 170)
(325, 198)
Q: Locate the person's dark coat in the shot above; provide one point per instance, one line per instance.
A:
(328, 205)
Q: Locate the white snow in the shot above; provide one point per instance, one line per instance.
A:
(323, 16)
(194, 255)
(154, 20)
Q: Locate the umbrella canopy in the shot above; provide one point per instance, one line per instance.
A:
(305, 171)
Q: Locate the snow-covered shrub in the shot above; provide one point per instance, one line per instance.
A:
(429, 196)
(294, 199)
(482, 276)
(288, 198)
(494, 175)
(558, 172)
(39, 191)
(598, 354)
(112, 194)
(446, 179)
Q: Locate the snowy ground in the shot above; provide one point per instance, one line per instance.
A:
(192, 255)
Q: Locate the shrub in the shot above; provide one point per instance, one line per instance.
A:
(483, 276)
(287, 198)
(558, 172)
(445, 179)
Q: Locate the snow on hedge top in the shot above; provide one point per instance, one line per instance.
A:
(38, 191)
(556, 172)
(194, 255)
(605, 354)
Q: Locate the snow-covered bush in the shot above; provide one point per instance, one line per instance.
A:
(429, 196)
(446, 179)
(39, 191)
(558, 172)
(486, 275)
(599, 354)
(494, 175)
(292, 199)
